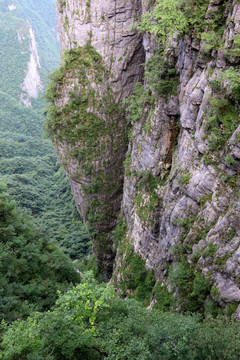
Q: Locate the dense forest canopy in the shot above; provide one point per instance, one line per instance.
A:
(28, 164)
(32, 268)
(50, 307)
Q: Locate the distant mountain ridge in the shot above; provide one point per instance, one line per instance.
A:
(28, 40)
(29, 50)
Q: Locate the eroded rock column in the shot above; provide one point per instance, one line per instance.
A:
(102, 63)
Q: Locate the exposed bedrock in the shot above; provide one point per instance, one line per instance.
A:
(181, 190)
(102, 63)
(180, 199)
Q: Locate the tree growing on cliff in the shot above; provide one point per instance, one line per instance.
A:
(166, 19)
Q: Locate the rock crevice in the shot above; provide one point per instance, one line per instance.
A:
(179, 190)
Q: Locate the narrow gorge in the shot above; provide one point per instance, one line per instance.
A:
(144, 117)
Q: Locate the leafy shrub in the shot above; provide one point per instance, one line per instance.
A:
(32, 269)
(66, 332)
(137, 102)
(212, 40)
(192, 286)
(88, 323)
(230, 80)
(164, 20)
(222, 121)
(229, 160)
(236, 46)
(119, 233)
(184, 177)
(174, 17)
(160, 75)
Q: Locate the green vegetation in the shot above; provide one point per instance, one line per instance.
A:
(32, 268)
(119, 232)
(165, 301)
(229, 160)
(62, 4)
(147, 199)
(88, 322)
(236, 46)
(42, 16)
(230, 80)
(15, 42)
(205, 198)
(17, 53)
(174, 17)
(192, 286)
(79, 61)
(137, 103)
(91, 123)
(162, 80)
(222, 116)
(39, 185)
(168, 19)
(161, 75)
(210, 250)
(138, 282)
(28, 164)
(187, 223)
(212, 40)
(135, 280)
(146, 207)
(184, 178)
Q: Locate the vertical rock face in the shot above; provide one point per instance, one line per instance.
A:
(108, 24)
(180, 201)
(102, 64)
(185, 223)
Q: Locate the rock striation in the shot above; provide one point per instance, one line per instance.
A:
(194, 222)
(92, 152)
(180, 199)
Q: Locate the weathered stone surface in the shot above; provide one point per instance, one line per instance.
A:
(235, 144)
(194, 191)
(193, 199)
(108, 24)
(97, 182)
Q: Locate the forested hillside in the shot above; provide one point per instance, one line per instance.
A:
(29, 50)
(32, 269)
(152, 155)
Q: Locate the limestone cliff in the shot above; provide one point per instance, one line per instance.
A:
(101, 67)
(180, 201)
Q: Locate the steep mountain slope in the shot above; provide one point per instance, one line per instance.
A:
(28, 38)
(28, 51)
(180, 200)
(32, 268)
(181, 193)
(90, 132)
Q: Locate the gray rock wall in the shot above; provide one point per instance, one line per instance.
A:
(108, 24)
(181, 195)
(96, 170)
(197, 202)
